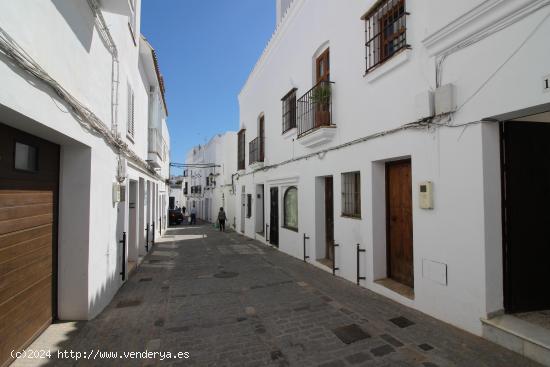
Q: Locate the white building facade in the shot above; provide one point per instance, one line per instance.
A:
(85, 149)
(374, 139)
(209, 178)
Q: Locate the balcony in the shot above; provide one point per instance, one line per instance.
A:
(157, 148)
(256, 152)
(315, 124)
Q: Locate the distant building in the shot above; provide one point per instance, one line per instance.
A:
(84, 151)
(212, 187)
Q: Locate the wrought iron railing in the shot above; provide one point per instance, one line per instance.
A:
(385, 31)
(315, 108)
(256, 150)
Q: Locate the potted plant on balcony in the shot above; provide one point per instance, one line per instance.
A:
(320, 97)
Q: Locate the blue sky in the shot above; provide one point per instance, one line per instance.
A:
(206, 50)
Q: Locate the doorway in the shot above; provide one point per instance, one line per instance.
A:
(399, 230)
(243, 207)
(322, 76)
(274, 217)
(132, 225)
(329, 218)
(260, 212)
(525, 156)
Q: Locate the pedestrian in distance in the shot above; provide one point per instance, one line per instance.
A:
(221, 219)
(193, 215)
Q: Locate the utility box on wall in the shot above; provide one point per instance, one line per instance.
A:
(425, 195)
(445, 99)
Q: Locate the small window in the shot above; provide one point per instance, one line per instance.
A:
(291, 208)
(351, 194)
(249, 205)
(289, 111)
(385, 30)
(131, 105)
(26, 157)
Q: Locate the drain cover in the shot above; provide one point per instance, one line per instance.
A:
(146, 279)
(226, 274)
(350, 334)
(402, 322)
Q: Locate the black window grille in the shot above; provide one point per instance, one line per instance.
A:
(289, 110)
(241, 149)
(249, 205)
(385, 30)
(351, 194)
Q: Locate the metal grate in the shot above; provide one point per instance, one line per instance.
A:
(289, 110)
(385, 30)
(351, 194)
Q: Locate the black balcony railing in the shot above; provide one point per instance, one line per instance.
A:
(256, 150)
(385, 31)
(315, 108)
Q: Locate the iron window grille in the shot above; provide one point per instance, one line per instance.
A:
(385, 31)
(289, 110)
(241, 149)
(351, 194)
(249, 205)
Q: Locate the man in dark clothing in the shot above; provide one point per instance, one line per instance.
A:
(221, 220)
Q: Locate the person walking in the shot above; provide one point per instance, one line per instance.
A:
(193, 215)
(221, 219)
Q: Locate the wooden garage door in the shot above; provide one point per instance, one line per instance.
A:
(29, 170)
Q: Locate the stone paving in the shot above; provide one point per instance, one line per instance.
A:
(230, 301)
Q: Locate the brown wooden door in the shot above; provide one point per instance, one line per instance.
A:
(329, 218)
(322, 110)
(399, 222)
(28, 210)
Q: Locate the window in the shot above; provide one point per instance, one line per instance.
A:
(351, 194)
(241, 149)
(249, 205)
(130, 123)
(289, 110)
(26, 157)
(385, 31)
(291, 209)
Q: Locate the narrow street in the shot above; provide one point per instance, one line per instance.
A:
(230, 301)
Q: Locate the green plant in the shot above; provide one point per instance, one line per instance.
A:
(321, 94)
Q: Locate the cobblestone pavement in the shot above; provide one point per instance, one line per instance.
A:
(231, 301)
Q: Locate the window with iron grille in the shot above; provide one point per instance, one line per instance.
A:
(130, 123)
(132, 19)
(385, 30)
(351, 194)
(241, 149)
(289, 110)
(249, 205)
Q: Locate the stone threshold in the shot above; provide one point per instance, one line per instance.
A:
(522, 337)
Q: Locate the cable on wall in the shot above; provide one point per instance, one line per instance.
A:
(83, 115)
